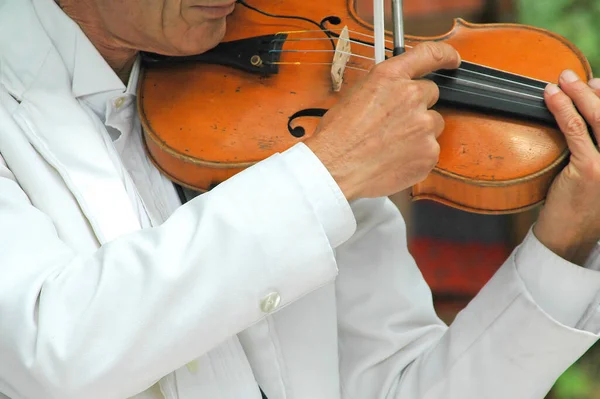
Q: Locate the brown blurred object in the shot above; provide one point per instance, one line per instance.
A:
(434, 17)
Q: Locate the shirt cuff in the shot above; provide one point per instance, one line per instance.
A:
(562, 289)
(323, 193)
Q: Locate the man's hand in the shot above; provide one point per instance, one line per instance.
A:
(569, 224)
(381, 138)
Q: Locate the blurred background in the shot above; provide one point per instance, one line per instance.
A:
(457, 251)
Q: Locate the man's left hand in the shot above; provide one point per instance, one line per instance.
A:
(569, 223)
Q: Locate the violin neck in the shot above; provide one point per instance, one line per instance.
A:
(488, 90)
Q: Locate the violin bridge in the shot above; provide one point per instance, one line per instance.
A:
(340, 59)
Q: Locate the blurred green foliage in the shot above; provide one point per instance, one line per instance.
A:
(575, 383)
(577, 20)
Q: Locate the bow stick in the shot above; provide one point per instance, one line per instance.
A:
(398, 21)
(379, 27)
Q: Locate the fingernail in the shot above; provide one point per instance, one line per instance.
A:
(552, 89)
(569, 76)
(594, 83)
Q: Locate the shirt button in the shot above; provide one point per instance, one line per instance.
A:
(119, 102)
(193, 366)
(270, 302)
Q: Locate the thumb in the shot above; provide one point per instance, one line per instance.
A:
(425, 58)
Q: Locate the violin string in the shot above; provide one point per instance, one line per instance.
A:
(493, 98)
(332, 30)
(312, 63)
(442, 86)
(323, 51)
(495, 69)
(408, 46)
(462, 69)
(496, 88)
(387, 50)
(465, 81)
(321, 39)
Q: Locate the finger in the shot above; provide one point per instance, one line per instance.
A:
(428, 92)
(584, 97)
(426, 58)
(437, 122)
(571, 123)
(595, 85)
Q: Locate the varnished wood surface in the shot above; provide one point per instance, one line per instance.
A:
(204, 123)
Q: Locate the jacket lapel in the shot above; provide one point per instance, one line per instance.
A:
(64, 134)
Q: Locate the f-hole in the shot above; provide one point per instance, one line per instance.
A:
(300, 131)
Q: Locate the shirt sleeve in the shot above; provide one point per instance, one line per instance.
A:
(504, 344)
(323, 193)
(211, 270)
(563, 290)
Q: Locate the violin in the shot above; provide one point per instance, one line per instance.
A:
(283, 64)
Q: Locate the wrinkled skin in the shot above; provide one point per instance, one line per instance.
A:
(121, 28)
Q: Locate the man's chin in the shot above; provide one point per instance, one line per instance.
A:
(207, 37)
(196, 42)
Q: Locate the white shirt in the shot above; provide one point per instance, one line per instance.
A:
(152, 194)
(389, 339)
(154, 198)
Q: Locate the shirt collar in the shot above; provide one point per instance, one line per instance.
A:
(90, 73)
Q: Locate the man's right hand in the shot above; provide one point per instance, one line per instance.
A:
(381, 137)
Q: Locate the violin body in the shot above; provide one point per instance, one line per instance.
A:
(207, 120)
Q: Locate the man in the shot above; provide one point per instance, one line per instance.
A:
(292, 277)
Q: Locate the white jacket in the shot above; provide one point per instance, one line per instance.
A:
(108, 289)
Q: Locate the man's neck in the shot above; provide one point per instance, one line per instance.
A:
(120, 57)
